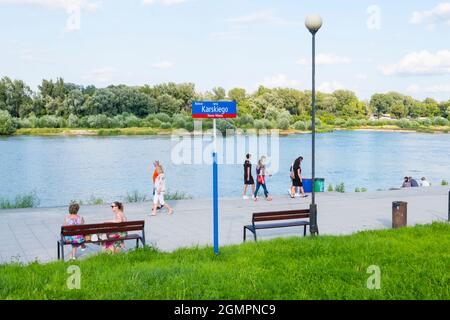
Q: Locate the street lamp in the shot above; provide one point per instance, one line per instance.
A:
(313, 23)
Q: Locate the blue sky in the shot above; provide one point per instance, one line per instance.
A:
(365, 46)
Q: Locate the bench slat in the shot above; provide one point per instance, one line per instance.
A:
(262, 214)
(87, 229)
(280, 216)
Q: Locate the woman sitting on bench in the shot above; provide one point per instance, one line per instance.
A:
(119, 216)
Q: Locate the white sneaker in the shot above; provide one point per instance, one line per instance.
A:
(298, 195)
(245, 197)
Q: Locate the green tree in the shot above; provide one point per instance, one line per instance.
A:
(7, 126)
(168, 104)
(237, 94)
(219, 93)
(399, 110)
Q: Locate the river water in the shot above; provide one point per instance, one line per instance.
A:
(61, 169)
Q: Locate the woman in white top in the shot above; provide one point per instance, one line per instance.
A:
(160, 189)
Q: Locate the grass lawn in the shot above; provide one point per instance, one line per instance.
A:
(414, 262)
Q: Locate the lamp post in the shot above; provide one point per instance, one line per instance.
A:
(313, 23)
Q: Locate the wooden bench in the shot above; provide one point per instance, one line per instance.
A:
(100, 229)
(295, 217)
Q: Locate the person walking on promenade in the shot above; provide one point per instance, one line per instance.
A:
(424, 182)
(261, 172)
(156, 164)
(296, 176)
(406, 183)
(248, 178)
(160, 189)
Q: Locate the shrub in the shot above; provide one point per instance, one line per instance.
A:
(72, 121)
(425, 122)
(330, 188)
(135, 197)
(283, 123)
(178, 121)
(98, 121)
(300, 125)
(444, 183)
(318, 124)
(166, 125)
(29, 200)
(22, 123)
(245, 120)
(50, 122)
(340, 188)
(440, 121)
(132, 121)
(363, 189)
(163, 117)
(225, 124)
(263, 124)
(357, 189)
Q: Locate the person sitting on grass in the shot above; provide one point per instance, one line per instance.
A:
(74, 219)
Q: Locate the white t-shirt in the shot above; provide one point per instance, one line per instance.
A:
(424, 183)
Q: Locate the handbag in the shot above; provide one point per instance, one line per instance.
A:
(261, 180)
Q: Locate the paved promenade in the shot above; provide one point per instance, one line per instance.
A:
(30, 234)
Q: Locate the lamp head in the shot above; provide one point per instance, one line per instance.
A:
(313, 22)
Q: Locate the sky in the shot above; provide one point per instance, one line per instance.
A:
(365, 46)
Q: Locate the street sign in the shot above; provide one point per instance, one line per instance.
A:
(214, 109)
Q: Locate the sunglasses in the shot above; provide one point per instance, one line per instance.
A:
(113, 206)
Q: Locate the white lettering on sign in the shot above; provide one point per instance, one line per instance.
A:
(215, 110)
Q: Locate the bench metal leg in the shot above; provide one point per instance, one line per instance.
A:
(245, 234)
(137, 243)
(304, 230)
(59, 250)
(62, 251)
(254, 235)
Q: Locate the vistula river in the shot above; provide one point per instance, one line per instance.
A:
(61, 169)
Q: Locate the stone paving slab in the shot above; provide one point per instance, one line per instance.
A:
(31, 234)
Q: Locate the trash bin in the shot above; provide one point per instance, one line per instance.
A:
(319, 185)
(399, 214)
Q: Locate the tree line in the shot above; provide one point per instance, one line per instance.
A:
(57, 104)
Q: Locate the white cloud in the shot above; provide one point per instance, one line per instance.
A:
(439, 88)
(163, 65)
(163, 2)
(440, 13)
(420, 63)
(67, 5)
(280, 81)
(101, 75)
(361, 76)
(257, 17)
(330, 86)
(325, 59)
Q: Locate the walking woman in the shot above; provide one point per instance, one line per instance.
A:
(297, 180)
(160, 189)
(261, 179)
(248, 178)
(115, 246)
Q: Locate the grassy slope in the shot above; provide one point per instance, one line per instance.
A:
(415, 264)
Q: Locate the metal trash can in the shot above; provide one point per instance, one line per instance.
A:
(399, 214)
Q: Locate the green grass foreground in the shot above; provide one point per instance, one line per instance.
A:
(414, 264)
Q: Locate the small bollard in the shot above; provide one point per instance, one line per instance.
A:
(399, 214)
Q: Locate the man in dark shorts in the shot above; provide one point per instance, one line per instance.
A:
(297, 181)
(248, 178)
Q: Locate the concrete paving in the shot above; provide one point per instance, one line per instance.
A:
(28, 235)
